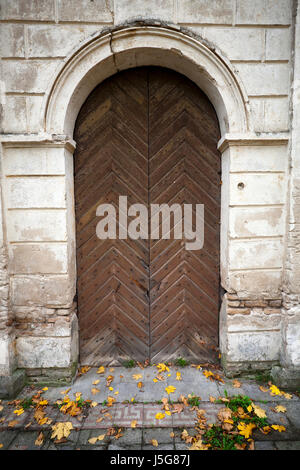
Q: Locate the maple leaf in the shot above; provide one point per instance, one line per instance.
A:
(274, 390)
(208, 373)
(137, 376)
(12, 423)
(40, 439)
(83, 370)
(110, 401)
(170, 389)
(19, 411)
(280, 409)
(288, 396)
(236, 384)
(212, 399)
(259, 411)
(101, 370)
(178, 408)
(61, 430)
(159, 416)
(198, 445)
(278, 427)
(178, 376)
(246, 429)
(109, 380)
(95, 390)
(162, 367)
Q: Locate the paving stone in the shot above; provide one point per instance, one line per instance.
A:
(7, 437)
(293, 413)
(125, 414)
(182, 446)
(20, 421)
(169, 446)
(150, 412)
(162, 435)
(118, 447)
(130, 437)
(186, 418)
(107, 413)
(264, 445)
(25, 440)
(288, 445)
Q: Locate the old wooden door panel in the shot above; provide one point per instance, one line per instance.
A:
(148, 134)
(183, 129)
(111, 160)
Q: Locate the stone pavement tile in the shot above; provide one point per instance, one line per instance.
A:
(125, 414)
(127, 391)
(127, 374)
(178, 431)
(162, 435)
(154, 392)
(50, 412)
(130, 437)
(107, 413)
(293, 414)
(187, 417)
(252, 390)
(85, 434)
(182, 446)
(10, 416)
(203, 389)
(264, 445)
(288, 445)
(77, 421)
(7, 437)
(169, 446)
(118, 447)
(150, 412)
(25, 440)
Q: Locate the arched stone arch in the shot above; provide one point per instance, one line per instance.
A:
(105, 54)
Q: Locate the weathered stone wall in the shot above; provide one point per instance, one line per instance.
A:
(260, 227)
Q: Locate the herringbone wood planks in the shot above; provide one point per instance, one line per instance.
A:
(149, 134)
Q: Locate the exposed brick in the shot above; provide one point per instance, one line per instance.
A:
(240, 311)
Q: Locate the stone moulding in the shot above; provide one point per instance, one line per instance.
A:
(105, 54)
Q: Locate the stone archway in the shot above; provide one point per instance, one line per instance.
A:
(104, 55)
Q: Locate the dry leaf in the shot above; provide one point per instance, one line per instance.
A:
(280, 409)
(40, 439)
(236, 384)
(61, 430)
(95, 390)
(154, 442)
(96, 382)
(11, 424)
(101, 370)
(137, 376)
(133, 423)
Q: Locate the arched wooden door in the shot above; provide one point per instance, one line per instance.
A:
(149, 134)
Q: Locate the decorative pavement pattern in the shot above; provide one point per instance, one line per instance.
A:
(151, 408)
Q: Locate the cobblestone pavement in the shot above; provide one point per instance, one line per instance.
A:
(137, 402)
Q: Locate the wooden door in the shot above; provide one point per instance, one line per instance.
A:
(149, 134)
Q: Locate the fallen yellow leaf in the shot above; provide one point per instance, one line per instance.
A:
(280, 409)
(154, 442)
(61, 430)
(278, 427)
